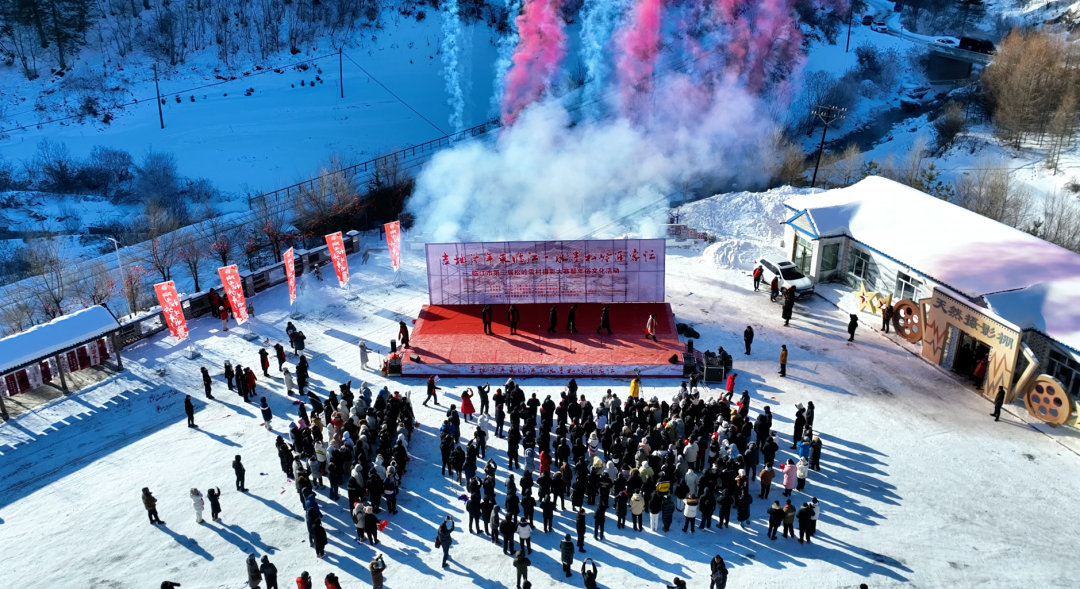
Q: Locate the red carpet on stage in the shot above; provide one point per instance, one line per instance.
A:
(451, 341)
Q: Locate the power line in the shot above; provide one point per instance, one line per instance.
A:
(396, 96)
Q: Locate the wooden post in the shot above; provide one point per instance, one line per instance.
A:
(157, 90)
(116, 348)
(60, 369)
(341, 72)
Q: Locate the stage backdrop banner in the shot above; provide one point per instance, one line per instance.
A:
(290, 273)
(584, 271)
(170, 308)
(335, 246)
(234, 289)
(393, 243)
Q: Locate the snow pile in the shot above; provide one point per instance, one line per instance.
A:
(746, 224)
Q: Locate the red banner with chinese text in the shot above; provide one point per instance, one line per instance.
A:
(393, 243)
(290, 273)
(234, 289)
(335, 246)
(171, 309)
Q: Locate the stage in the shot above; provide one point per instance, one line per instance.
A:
(450, 341)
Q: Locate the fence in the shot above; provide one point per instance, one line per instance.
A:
(254, 282)
(369, 167)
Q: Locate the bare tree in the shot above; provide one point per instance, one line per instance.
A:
(20, 311)
(1060, 221)
(96, 286)
(50, 284)
(192, 252)
(272, 221)
(326, 198)
(222, 237)
(993, 192)
(163, 243)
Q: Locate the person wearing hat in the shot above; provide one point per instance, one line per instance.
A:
(783, 361)
(566, 552)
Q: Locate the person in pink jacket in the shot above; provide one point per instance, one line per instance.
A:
(790, 477)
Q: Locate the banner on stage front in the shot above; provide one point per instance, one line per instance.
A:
(335, 246)
(583, 271)
(393, 243)
(234, 289)
(171, 309)
(290, 273)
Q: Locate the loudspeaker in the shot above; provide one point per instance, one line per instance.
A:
(393, 346)
(689, 346)
(674, 359)
(414, 358)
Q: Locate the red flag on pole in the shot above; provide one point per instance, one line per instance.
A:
(234, 289)
(393, 243)
(171, 309)
(335, 246)
(290, 274)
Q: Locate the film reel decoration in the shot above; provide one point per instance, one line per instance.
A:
(1047, 401)
(908, 321)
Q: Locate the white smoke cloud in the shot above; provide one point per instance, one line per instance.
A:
(599, 18)
(546, 178)
(503, 60)
(451, 29)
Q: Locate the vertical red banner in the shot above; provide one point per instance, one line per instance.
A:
(290, 273)
(335, 246)
(171, 309)
(393, 243)
(234, 289)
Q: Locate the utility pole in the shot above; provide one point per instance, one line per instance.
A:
(341, 72)
(828, 115)
(120, 267)
(157, 90)
(851, 17)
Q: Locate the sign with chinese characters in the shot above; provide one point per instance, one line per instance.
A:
(336, 248)
(290, 273)
(1002, 338)
(170, 310)
(585, 271)
(393, 243)
(234, 289)
(560, 370)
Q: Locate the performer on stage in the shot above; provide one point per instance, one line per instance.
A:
(605, 321)
(512, 317)
(486, 316)
(571, 319)
(553, 319)
(650, 327)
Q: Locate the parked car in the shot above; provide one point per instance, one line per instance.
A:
(879, 26)
(977, 45)
(946, 41)
(867, 20)
(788, 274)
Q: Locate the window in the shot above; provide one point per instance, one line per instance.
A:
(906, 287)
(769, 267)
(859, 267)
(790, 273)
(830, 256)
(1066, 370)
(804, 253)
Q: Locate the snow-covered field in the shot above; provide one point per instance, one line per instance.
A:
(919, 486)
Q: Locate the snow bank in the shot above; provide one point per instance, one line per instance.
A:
(747, 224)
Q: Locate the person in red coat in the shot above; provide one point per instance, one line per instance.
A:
(223, 314)
(467, 408)
(545, 462)
(251, 381)
(731, 385)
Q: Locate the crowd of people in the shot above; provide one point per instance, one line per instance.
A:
(632, 458)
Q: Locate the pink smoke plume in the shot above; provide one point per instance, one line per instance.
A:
(540, 51)
(760, 39)
(638, 44)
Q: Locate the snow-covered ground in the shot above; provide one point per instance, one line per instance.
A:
(919, 486)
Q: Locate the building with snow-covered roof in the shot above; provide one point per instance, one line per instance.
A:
(978, 281)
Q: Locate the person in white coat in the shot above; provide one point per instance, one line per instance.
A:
(525, 534)
(691, 479)
(650, 327)
(363, 355)
(289, 384)
(198, 503)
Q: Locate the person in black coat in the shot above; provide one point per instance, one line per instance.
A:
(789, 304)
(605, 319)
(748, 338)
(189, 408)
(571, 319)
(214, 495)
(264, 361)
(805, 515)
(581, 529)
(238, 468)
(999, 400)
(566, 554)
(727, 499)
(485, 316)
(403, 335)
(279, 350)
(512, 317)
(854, 323)
(229, 374)
(800, 423)
(553, 319)
(318, 535)
(207, 383)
